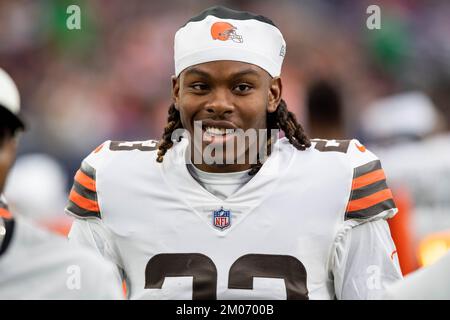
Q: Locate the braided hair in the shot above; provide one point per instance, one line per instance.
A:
(281, 119)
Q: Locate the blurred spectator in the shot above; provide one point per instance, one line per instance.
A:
(36, 189)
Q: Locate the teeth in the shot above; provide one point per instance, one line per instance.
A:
(218, 131)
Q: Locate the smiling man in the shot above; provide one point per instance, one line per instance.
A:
(232, 123)
(305, 221)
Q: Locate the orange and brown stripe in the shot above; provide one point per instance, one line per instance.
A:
(7, 222)
(370, 194)
(4, 212)
(83, 200)
(8, 226)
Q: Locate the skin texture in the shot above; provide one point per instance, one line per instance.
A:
(238, 93)
(8, 150)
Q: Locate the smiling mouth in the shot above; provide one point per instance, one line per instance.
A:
(216, 131)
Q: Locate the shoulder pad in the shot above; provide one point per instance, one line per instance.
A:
(370, 196)
(83, 200)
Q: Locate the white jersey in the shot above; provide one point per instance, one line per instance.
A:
(35, 264)
(429, 283)
(284, 234)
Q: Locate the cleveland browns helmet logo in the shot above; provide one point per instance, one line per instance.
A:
(225, 31)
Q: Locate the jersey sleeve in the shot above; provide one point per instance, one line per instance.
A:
(432, 282)
(83, 198)
(370, 197)
(365, 262)
(94, 235)
(99, 281)
(363, 255)
(88, 229)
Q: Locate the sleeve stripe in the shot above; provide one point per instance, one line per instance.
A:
(82, 202)
(84, 192)
(367, 202)
(5, 213)
(367, 168)
(368, 190)
(83, 196)
(371, 211)
(85, 181)
(368, 178)
(87, 170)
(75, 210)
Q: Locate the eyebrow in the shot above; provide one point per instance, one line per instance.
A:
(242, 73)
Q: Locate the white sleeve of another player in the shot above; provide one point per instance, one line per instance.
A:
(432, 282)
(364, 261)
(92, 234)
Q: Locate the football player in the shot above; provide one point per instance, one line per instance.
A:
(429, 283)
(306, 221)
(33, 263)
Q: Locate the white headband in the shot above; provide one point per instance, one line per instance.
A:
(219, 33)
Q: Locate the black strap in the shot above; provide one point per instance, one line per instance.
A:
(9, 227)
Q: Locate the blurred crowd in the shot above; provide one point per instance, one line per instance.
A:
(111, 79)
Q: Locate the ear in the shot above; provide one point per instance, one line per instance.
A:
(175, 90)
(275, 90)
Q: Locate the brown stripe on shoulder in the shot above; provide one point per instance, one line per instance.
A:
(367, 168)
(371, 211)
(80, 212)
(85, 192)
(88, 170)
(368, 190)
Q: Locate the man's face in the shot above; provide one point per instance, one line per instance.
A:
(225, 95)
(8, 150)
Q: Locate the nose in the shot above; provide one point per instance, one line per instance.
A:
(220, 103)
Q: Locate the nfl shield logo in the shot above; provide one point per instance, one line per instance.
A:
(222, 218)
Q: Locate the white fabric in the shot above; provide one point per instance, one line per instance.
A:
(40, 265)
(294, 206)
(222, 185)
(9, 94)
(262, 44)
(364, 261)
(430, 283)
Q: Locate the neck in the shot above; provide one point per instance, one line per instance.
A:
(222, 168)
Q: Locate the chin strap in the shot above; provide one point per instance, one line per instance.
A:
(6, 233)
(6, 225)
(2, 231)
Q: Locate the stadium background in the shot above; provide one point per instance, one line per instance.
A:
(111, 80)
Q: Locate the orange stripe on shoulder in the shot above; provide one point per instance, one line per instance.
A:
(98, 148)
(85, 181)
(82, 202)
(368, 178)
(369, 201)
(5, 214)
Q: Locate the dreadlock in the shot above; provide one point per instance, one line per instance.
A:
(281, 119)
